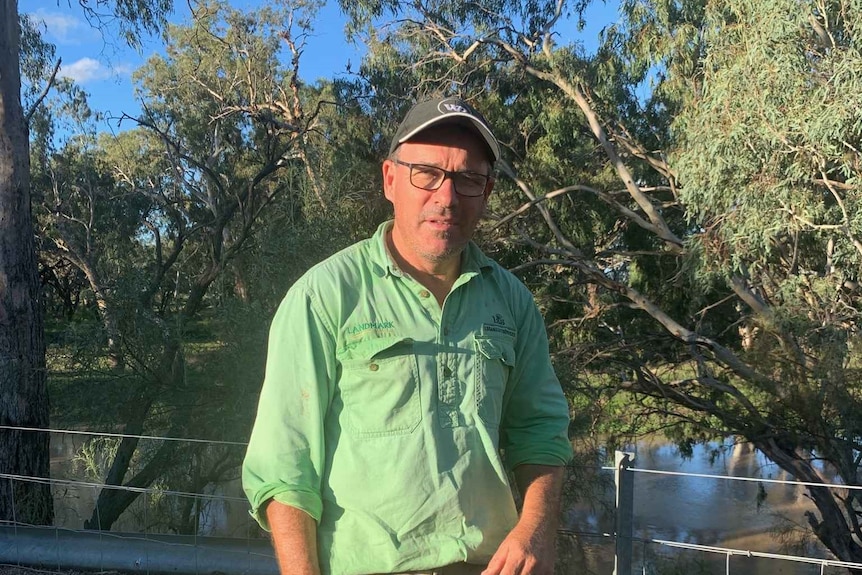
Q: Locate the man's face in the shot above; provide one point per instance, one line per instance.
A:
(433, 227)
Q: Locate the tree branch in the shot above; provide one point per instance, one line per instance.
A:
(44, 93)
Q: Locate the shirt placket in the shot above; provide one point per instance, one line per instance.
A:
(447, 384)
(450, 388)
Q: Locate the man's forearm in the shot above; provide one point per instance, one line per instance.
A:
(294, 537)
(540, 487)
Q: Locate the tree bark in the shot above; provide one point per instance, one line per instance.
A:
(23, 386)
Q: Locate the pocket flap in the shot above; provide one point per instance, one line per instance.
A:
(380, 347)
(494, 348)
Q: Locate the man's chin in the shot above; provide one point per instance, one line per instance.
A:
(442, 253)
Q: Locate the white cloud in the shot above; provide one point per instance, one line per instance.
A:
(86, 70)
(61, 28)
(124, 70)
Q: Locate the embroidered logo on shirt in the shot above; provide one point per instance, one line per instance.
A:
(376, 325)
(498, 325)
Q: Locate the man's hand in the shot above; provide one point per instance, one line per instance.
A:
(530, 548)
(527, 550)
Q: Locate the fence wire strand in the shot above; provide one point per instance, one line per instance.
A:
(123, 435)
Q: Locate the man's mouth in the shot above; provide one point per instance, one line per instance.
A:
(442, 222)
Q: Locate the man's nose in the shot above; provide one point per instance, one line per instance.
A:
(446, 194)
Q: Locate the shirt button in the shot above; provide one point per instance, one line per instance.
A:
(373, 367)
(424, 294)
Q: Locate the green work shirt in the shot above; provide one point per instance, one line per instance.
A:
(383, 415)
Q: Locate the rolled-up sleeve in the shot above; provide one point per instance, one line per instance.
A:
(286, 452)
(535, 420)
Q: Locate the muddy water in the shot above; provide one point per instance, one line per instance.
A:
(223, 509)
(701, 511)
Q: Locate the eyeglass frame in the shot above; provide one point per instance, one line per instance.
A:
(446, 174)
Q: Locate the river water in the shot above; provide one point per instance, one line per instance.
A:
(702, 511)
(694, 510)
(223, 509)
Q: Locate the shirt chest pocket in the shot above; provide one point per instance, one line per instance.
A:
(380, 388)
(495, 358)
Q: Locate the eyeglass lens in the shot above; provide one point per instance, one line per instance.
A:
(431, 178)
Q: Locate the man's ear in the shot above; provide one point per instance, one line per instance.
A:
(389, 168)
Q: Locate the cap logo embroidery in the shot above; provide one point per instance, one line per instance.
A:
(451, 108)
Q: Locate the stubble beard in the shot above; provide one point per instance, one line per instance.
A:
(451, 250)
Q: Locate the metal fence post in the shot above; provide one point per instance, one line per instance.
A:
(624, 480)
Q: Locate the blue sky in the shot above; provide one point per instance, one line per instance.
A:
(103, 66)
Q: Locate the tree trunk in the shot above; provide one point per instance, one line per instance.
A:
(23, 387)
(113, 502)
(832, 527)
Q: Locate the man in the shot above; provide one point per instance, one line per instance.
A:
(397, 371)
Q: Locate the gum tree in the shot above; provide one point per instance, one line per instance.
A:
(23, 388)
(158, 218)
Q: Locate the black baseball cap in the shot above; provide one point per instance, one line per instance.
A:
(445, 111)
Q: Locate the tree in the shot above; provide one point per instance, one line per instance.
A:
(160, 219)
(709, 264)
(23, 388)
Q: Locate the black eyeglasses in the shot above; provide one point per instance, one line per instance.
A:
(430, 178)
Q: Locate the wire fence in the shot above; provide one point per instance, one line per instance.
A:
(224, 538)
(221, 535)
(737, 561)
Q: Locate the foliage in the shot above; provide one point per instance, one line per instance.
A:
(25, 53)
(169, 245)
(133, 18)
